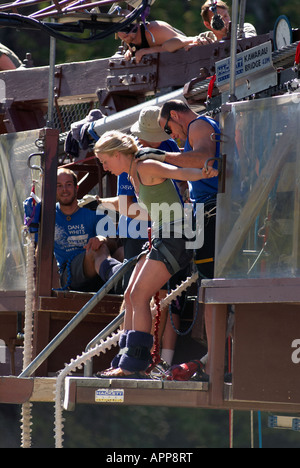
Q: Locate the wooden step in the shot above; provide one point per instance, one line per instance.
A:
(133, 392)
(72, 302)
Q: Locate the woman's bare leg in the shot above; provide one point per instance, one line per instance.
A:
(152, 276)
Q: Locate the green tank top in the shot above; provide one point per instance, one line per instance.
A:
(163, 203)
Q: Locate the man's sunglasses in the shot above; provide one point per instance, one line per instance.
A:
(130, 29)
(167, 129)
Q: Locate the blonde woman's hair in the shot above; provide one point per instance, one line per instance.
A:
(113, 141)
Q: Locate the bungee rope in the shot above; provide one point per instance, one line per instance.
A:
(26, 416)
(156, 348)
(211, 86)
(297, 56)
(28, 232)
(75, 364)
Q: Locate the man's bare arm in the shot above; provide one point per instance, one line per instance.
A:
(203, 147)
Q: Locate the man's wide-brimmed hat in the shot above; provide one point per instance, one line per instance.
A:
(147, 127)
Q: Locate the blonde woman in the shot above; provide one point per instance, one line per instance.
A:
(152, 181)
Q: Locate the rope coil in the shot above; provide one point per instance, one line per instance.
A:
(26, 417)
(71, 367)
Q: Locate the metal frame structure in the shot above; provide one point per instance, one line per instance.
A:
(59, 19)
(257, 302)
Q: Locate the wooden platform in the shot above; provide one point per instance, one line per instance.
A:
(251, 291)
(134, 392)
(81, 390)
(190, 394)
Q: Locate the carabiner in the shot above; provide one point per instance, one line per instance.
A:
(33, 166)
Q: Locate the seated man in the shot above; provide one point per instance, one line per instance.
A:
(83, 257)
(8, 60)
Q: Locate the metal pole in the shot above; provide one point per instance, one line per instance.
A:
(124, 119)
(242, 18)
(52, 57)
(233, 46)
(58, 339)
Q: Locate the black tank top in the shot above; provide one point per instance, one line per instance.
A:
(144, 44)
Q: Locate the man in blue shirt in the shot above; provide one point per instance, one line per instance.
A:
(201, 135)
(83, 256)
(202, 142)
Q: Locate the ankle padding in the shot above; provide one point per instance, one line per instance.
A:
(136, 356)
(122, 345)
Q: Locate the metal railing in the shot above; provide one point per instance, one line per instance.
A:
(59, 338)
(111, 327)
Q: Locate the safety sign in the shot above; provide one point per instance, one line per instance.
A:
(109, 395)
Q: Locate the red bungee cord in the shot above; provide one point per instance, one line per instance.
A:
(33, 191)
(297, 57)
(185, 371)
(156, 349)
(211, 86)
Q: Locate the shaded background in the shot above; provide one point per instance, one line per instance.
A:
(142, 427)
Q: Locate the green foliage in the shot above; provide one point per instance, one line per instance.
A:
(183, 14)
(113, 427)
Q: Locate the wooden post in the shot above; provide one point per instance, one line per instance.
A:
(46, 240)
(217, 353)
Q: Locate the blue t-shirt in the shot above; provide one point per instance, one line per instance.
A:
(170, 146)
(130, 228)
(72, 233)
(204, 189)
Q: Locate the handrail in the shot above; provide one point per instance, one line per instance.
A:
(57, 340)
(111, 327)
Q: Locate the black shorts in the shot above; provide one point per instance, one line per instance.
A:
(172, 252)
(204, 257)
(73, 276)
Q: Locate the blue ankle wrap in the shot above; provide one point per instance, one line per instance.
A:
(137, 356)
(122, 344)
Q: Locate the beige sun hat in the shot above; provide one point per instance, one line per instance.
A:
(147, 127)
